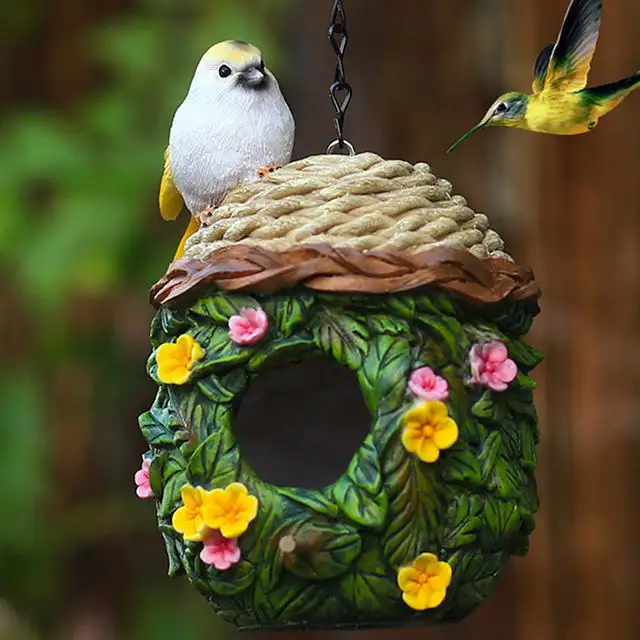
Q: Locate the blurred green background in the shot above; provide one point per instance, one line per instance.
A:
(88, 97)
(87, 92)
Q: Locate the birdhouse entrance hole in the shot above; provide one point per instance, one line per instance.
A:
(300, 424)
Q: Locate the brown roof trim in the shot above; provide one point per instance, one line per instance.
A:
(329, 269)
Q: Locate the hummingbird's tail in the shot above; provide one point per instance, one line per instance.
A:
(608, 96)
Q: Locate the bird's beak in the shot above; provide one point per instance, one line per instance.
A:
(253, 76)
(483, 123)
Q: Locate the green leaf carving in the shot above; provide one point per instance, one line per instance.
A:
(525, 356)
(460, 466)
(323, 549)
(280, 352)
(342, 337)
(232, 581)
(364, 469)
(369, 588)
(489, 454)
(167, 475)
(171, 545)
(402, 306)
(159, 425)
(220, 308)
(389, 325)
(361, 506)
(508, 478)
(415, 510)
(216, 462)
(220, 352)
(314, 500)
(474, 576)
(383, 377)
(502, 520)
(463, 521)
(291, 312)
(449, 331)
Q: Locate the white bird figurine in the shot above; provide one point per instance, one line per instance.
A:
(233, 125)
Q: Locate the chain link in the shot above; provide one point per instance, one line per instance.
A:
(340, 90)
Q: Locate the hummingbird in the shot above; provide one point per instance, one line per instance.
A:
(561, 103)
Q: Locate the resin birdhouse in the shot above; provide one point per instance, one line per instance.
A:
(372, 264)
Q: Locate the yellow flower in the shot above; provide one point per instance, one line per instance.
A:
(230, 510)
(189, 519)
(428, 429)
(175, 360)
(424, 584)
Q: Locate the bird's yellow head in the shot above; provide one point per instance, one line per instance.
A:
(234, 62)
(508, 110)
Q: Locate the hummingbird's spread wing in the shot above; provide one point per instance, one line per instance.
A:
(170, 200)
(540, 68)
(571, 58)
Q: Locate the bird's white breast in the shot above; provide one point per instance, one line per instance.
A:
(219, 141)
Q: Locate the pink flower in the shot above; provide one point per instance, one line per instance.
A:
(424, 383)
(248, 326)
(491, 366)
(219, 551)
(142, 480)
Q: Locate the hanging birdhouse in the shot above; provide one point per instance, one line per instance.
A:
(375, 265)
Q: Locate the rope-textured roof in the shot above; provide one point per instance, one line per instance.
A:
(361, 202)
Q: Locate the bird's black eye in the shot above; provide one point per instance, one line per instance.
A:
(224, 71)
(502, 107)
(261, 66)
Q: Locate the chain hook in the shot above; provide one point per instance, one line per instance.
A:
(340, 90)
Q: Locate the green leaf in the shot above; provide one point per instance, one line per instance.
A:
(221, 307)
(281, 352)
(158, 426)
(474, 577)
(448, 330)
(508, 478)
(489, 454)
(364, 469)
(463, 521)
(528, 454)
(324, 550)
(460, 466)
(526, 357)
(524, 382)
(502, 520)
(361, 506)
(314, 500)
(220, 352)
(415, 510)
(436, 304)
(231, 582)
(216, 462)
(490, 406)
(175, 565)
(291, 312)
(402, 306)
(369, 589)
(214, 390)
(383, 376)
(167, 476)
(342, 337)
(389, 325)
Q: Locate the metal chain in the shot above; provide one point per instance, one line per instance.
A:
(340, 90)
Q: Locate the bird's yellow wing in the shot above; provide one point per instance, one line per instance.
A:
(170, 200)
(570, 60)
(540, 69)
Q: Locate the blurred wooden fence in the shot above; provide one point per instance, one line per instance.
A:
(423, 73)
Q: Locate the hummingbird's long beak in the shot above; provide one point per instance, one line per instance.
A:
(480, 125)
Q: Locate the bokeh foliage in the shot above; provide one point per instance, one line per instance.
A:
(79, 230)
